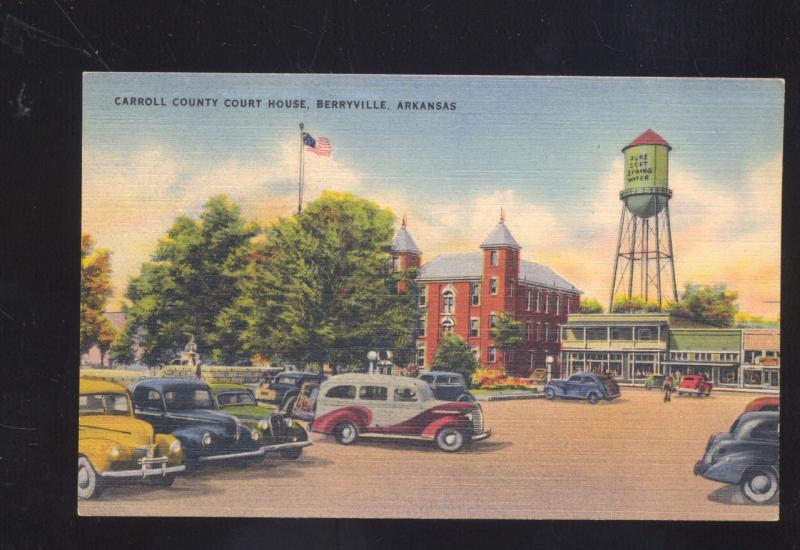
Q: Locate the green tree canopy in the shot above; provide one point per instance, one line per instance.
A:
(507, 332)
(321, 288)
(192, 277)
(590, 305)
(122, 349)
(454, 354)
(714, 305)
(634, 304)
(95, 328)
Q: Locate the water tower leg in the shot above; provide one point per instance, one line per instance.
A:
(632, 257)
(671, 259)
(616, 259)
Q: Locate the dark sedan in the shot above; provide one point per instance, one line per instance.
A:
(447, 386)
(283, 390)
(585, 385)
(746, 455)
(184, 408)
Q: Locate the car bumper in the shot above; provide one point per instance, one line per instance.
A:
(151, 467)
(230, 456)
(483, 435)
(283, 446)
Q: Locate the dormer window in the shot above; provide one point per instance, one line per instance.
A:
(494, 258)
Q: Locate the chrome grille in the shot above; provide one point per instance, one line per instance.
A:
(276, 425)
(477, 420)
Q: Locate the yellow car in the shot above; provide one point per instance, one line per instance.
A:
(112, 444)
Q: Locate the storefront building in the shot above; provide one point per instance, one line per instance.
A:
(762, 359)
(715, 353)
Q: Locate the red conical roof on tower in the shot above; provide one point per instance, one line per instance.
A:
(649, 137)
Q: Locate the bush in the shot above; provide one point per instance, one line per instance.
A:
(493, 379)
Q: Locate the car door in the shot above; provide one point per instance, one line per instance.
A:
(572, 387)
(149, 406)
(588, 385)
(375, 398)
(403, 407)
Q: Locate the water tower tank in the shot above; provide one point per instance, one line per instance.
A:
(646, 175)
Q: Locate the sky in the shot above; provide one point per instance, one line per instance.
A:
(546, 149)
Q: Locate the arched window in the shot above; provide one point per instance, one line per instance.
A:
(448, 301)
(447, 327)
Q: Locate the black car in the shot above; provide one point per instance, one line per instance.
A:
(184, 408)
(747, 455)
(284, 389)
(447, 386)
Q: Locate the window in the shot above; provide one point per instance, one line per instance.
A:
(547, 332)
(148, 399)
(406, 395)
(492, 320)
(511, 288)
(596, 334)
(538, 332)
(558, 304)
(104, 403)
(494, 257)
(569, 305)
(622, 333)
(546, 302)
(372, 393)
(187, 398)
(530, 300)
(448, 301)
(645, 333)
(492, 354)
(396, 263)
(493, 285)
(475, 291)
(574, 378)
(421, 326)
(767, 431)
(538, 300)
(447, 327)
(528, 331)
(476, 352)
(422, 296)
(420, 357)
(474, 327)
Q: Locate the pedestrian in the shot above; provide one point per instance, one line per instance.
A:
(667, 389)
(199, 371)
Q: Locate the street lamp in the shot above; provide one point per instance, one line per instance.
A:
(549, 361)
(371, 357)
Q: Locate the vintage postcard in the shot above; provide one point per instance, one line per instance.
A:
(374, 296)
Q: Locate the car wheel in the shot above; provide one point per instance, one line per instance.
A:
(346, 433)
(593, 398)
(291, 454)
(89, 483)
(549, 393)
(760, 485)
(450, 439)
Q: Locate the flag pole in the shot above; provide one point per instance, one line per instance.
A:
(300, 178)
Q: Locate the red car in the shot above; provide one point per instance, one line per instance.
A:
(764, 404)
(695, 384)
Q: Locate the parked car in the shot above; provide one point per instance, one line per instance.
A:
(283, 390)
(184, 408)
(112, 444)
(447, 386)
(539, 376)
(747, 455)
(305, 405)
(351, 406)
(585, 385)
(279, 433)
(764, 404)
(694, 384)
(656, 382)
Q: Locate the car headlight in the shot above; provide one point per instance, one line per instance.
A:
(115, 452)
(206, 441)
(175, 447)
(263, 424)
(288, 421)
(255, 435)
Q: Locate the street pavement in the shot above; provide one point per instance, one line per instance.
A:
(628, 459)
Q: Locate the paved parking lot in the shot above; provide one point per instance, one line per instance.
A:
(631, 458)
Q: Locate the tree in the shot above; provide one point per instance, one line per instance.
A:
(714, 305)
(455, 355)
(95, 291)
(634, 304)
(107, 335)
(507, 332)
(590, 305)
(321, 287)
(122, 349)
(192, 277)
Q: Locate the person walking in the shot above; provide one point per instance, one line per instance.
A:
(667, 389)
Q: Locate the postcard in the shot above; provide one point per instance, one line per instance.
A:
(389, 296)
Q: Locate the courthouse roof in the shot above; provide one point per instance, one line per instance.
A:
(404, 242)
(469, 265)
(500, 236)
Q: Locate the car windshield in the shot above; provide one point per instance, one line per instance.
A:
(235, 398)
(288, 380)
(427, 378)
(188, 398)
(104, 403)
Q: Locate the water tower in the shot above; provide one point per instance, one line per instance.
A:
(644, 264)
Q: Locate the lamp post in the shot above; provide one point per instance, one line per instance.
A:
(549, 361)
(371, 357)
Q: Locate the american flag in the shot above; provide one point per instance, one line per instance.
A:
(320, 146)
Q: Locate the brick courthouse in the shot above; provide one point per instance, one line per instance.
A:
(463, 293)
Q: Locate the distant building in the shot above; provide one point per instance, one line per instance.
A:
(633, 346)
(92, 357)
(464, 293)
